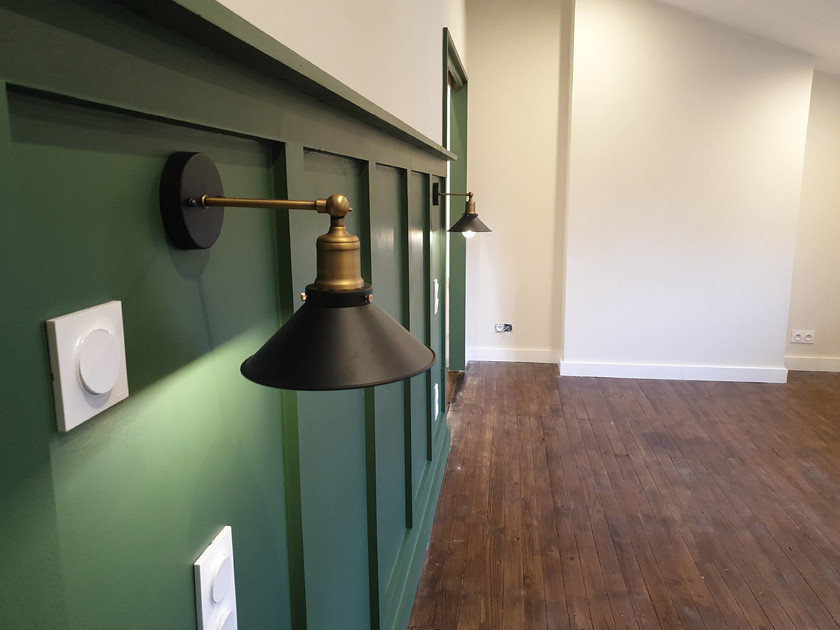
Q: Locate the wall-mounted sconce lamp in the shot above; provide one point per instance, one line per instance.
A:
(469, 223)
(338, 339)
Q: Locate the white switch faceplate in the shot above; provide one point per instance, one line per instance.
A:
(215, 588)
(87, 358)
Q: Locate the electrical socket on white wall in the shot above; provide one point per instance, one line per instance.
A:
(504, 328)
(802, 336)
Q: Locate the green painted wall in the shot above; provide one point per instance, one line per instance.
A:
(330, 495)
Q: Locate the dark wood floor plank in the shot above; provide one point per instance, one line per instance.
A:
(598, 503)
(585, 510)
(533, 578)
(562, 464)
(556, 608)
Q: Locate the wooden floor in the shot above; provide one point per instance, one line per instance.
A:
(601, 503)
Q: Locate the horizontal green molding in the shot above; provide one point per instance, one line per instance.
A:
(212, 24)
(159, 60)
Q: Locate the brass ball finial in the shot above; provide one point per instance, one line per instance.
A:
(338, 206)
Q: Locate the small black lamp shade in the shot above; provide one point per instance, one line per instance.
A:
(469, 223)
(338, 340)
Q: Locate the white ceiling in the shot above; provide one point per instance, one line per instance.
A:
(812, 26)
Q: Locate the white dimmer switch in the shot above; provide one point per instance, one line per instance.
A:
(215, 589)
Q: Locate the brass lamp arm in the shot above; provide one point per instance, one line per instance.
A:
(336, 206)
(469, 194)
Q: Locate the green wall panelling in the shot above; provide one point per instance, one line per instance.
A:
(437, 322)
(287, 165)
(31, 582)
(455, 102)
(139, 491)
(98, 96)
(331, 432)
(388, 216)
(418, 203)
(457, 243)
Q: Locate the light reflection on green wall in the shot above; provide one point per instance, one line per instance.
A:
(162, 472)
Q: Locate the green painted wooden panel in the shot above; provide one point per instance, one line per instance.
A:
(100, 97)
(457, 243)
(437, 322)
(418, 202)
(125, 503)
(387, 217)
(332, 434)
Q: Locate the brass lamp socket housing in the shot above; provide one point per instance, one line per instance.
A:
(339, 261)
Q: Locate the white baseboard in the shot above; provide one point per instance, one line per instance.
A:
(675, 372)
(813, 364)
(514, 355)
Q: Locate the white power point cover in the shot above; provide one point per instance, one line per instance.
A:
(215, 588)
(87, 358)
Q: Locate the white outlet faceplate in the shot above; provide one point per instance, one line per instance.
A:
(802, 336)
(87, 358)
(215, 588)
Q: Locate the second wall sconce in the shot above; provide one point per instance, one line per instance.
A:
(338, 339)
(469, 223)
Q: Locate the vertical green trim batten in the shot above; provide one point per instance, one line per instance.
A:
(444, 306)
(405, 296)
(427, 306)
(288, 164)
(372, 527)
(363, 207)
(457, 143)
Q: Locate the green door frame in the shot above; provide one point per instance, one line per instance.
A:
(455, 86)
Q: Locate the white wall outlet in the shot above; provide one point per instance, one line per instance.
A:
(802, 336)
(87, 359)
(215, 590)
(500, 328)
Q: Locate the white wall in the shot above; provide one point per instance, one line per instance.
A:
(815, 298)
(687, 146)
(389, 52)
(514, 104)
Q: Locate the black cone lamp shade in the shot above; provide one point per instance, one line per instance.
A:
(469, 223)
(338, 339)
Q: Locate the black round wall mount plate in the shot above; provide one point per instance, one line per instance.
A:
(190, 176)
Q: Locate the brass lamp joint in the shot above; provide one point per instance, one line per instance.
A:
(339, 252)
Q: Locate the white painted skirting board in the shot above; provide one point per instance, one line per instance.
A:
(813, 364)
(513, 355)
(675, 372)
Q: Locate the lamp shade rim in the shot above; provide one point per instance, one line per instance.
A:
(322, 387)
(321, 349)
(469, 223)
